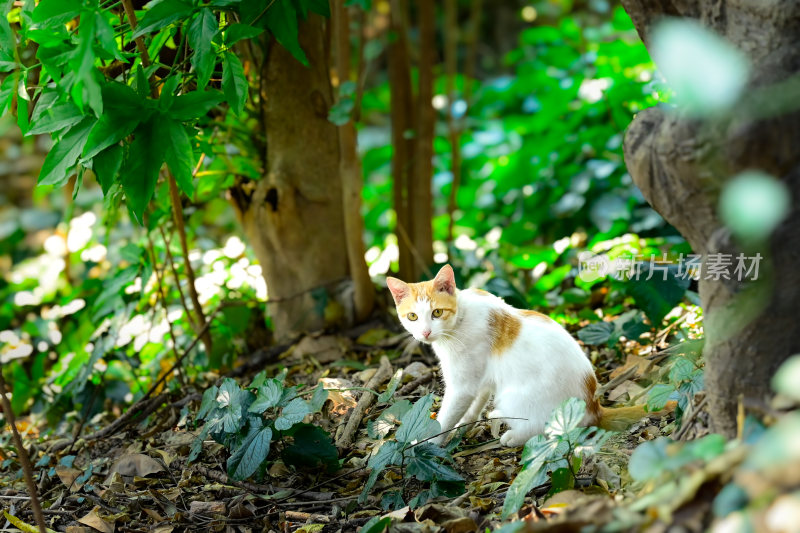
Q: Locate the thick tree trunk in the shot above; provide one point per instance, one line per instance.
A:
(681, 166)
(293, 216)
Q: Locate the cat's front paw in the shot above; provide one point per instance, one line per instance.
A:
(512, 438)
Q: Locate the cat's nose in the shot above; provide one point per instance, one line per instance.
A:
(426, 333)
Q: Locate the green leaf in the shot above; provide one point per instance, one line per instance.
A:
(561, 480)
(106, 165)
(52, 13)
(529, 477)
(658, 396)
(391, 452)
(596, 333)
(319, 398)
(417, 424)
(427, 465)
(194, 104)
(365, 5)
(657, 296)
(292, 414)
(268, 396)
(237, 32)
(648, 459)
(386, 395)
(201, 32)
(681, 370)
(65, 153)
(56, 117)
(253, 451)
(110, 128)
(208, 403)
(234, 82)
(565, 417)
(104, 32)
(376, 524)
(179, 155)
(161, 15)
(7, 40)
(281, 20)
(141, 166)
(312, 447)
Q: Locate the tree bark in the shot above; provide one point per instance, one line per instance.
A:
(681, 165)
(402, 122)
(350, 170)
(293, 216)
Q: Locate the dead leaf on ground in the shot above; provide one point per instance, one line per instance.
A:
(640, 363)
(93, 520)
(134, 465)
(68, 475)
(324, 349)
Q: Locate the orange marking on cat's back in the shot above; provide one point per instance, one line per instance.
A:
(593, 408)
(534, 314)
(503, 330)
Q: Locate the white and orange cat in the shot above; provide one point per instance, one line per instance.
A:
(526, 360)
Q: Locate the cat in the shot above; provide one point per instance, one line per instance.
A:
(486, 347)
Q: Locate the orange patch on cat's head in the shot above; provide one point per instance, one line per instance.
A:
(440, 292)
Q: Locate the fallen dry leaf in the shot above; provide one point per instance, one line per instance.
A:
(94, 521)
(134, 464)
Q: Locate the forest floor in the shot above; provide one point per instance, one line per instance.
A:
(136, 476)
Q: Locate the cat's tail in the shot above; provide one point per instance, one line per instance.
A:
(620, 418)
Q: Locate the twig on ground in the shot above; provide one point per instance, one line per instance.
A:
(689, 418)
(411, 386)
(222, 477)
(24, 460)
(383, 373)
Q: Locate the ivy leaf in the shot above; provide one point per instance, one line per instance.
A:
(565, 417)
(292, 414)
(417, 424)
(268, 396)
(106, 165)
(237, 32)
(312, 448)
(65, 153)
(244, 462)
(179, 155)
(141, 166)
(194, 104)
(161, 15)
(596, 333)
(281, 20)
(234, 82)
(201, 32)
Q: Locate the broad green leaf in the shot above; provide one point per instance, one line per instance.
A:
(7, 40)
(292, 414)
(376, 524)
(51, 13)
(109, 129)
(312, 447)
(681, 370)
(209, 402)
(234, 82)
(753, 203)
(648, 459)
(391, 452)
(253, 451)
(529, 477)
(56, 117)
(65, 153)
(161, 15)
(539, 449)
(565, 417)
(561, 480)
(237, 32)
(319, 398)
(658, 396)
(386, 395)
(417, 424)
(657, 296)
(201, 31)
(86, 90)
(194, 104)
(281, 20)
(268, 395)
(179, 155)
(388, 419)
(106, 165)
(105, 35)
(141, 166)
(596, 333)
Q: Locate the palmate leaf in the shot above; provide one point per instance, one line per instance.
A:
(106, 165)
(65, 153)
(194, 104)
(179, 155)
(237, 32)
(55, 117)
(141, 166)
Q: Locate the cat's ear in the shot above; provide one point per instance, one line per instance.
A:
(445, 280)
(398, 288)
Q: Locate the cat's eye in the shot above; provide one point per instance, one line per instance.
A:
(411, 316)
(437, 313)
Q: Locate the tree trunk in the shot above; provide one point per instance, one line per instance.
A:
(293, 216)
(681, 165)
